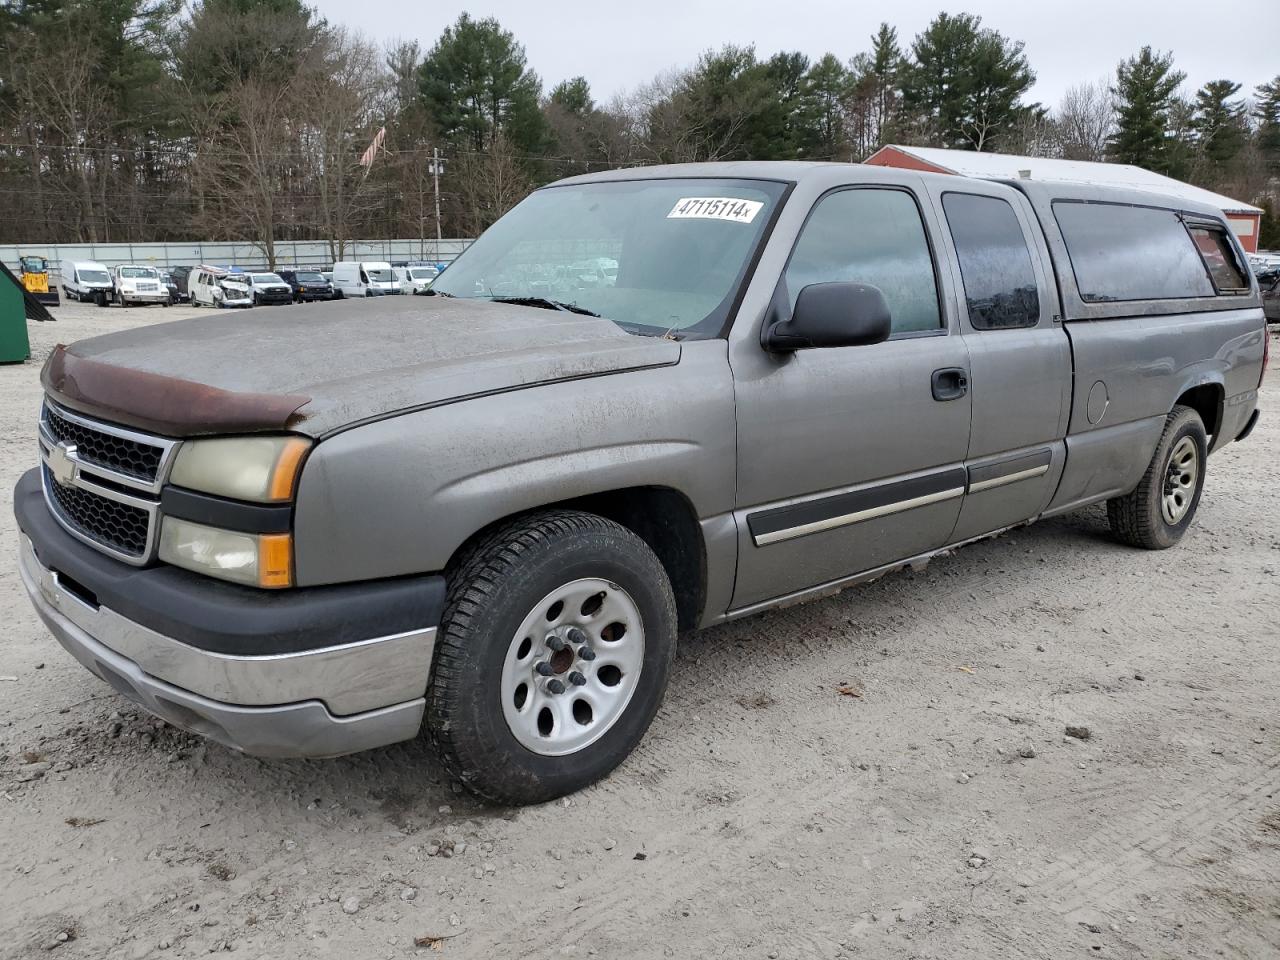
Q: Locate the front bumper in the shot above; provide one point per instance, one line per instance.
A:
(269, 681)
(148, 297)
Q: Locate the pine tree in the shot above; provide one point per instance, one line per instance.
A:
(822, 120)
(477, 86)
(1266, 113)
(1144, 91)
(1219, 124)
(966, 82)
(883, 73)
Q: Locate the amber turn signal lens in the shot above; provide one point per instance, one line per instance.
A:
(285, 474)
(275, 560)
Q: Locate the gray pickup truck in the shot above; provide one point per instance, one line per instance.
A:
(643, 402)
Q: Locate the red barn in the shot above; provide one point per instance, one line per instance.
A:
(1245, 218)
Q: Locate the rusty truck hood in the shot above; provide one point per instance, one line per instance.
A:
(321, 368)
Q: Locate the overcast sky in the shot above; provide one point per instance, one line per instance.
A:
(618, 46)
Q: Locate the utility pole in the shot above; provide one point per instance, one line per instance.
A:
(435, 175)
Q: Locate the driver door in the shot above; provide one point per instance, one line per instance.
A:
(850, 458)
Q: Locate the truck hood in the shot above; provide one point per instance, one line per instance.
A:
(334, 365)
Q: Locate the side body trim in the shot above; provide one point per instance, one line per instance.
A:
(1024, 467)
(828, 511)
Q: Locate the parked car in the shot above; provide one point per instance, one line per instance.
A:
(1269, 282)
(267, 289)
(307, 285)
(175, 295)
(180, 275)
(493, 524)
(364, 278)
(415, 278)
(218, 287)
(84, 279)
(133, 284)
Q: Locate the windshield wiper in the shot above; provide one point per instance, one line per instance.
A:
(546, 304)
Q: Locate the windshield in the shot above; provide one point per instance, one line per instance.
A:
(652, 255)
(266, 278)
(421, 274)
(308, 278)
(134, 273)
(93, 276)
(379, 275)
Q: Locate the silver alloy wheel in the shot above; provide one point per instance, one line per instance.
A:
(1180, 481)
(572, 667)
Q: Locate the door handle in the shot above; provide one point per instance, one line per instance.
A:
(950, 383)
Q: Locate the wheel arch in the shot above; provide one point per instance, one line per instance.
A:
(663, 517)
(1208, 400)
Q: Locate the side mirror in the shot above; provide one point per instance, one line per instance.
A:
(843, 314)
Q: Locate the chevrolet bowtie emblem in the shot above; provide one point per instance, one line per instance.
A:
(60, 463)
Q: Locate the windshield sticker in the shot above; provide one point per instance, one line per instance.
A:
(715, 208)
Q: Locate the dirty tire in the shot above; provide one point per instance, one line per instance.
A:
(493, 586)
(1138, 518)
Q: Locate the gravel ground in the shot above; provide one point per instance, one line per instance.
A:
(893, 772)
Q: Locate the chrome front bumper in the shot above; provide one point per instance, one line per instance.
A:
(315, 703)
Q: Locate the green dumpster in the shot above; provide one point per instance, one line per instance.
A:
(14, 345)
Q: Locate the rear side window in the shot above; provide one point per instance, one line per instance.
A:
(995, 264)
(1220, 258)
(1121, 252)
(870, 236)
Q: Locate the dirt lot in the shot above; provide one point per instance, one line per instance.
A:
(940, 811)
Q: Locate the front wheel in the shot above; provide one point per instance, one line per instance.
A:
(558, 635)
(1157, 513)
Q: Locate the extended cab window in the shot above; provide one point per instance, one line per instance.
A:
(1220, 258)
(1122, 252)
(870, 236)
(995, 264)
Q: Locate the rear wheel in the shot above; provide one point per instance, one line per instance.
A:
(1160, 509)
(553, 655)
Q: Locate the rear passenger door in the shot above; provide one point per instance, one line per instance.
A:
(1019, 355)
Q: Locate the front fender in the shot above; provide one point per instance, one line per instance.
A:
(399, 496)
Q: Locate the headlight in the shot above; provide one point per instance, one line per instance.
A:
(261, 469)
(259, 560)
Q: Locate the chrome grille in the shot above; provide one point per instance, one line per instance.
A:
(108, 450)
(125, 529)
(102, 482)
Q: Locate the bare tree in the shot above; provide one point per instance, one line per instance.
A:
(350, 87)
(488, 184)
(1033, 134)
(674, 128)
(73, 108)
(1086, 121)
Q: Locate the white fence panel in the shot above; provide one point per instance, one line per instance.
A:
(289, 253)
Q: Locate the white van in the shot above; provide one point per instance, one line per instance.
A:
(364, 278)
(415, 278)
(84, 279)
(215, 287)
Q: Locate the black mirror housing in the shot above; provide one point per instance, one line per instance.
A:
(842, 314)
